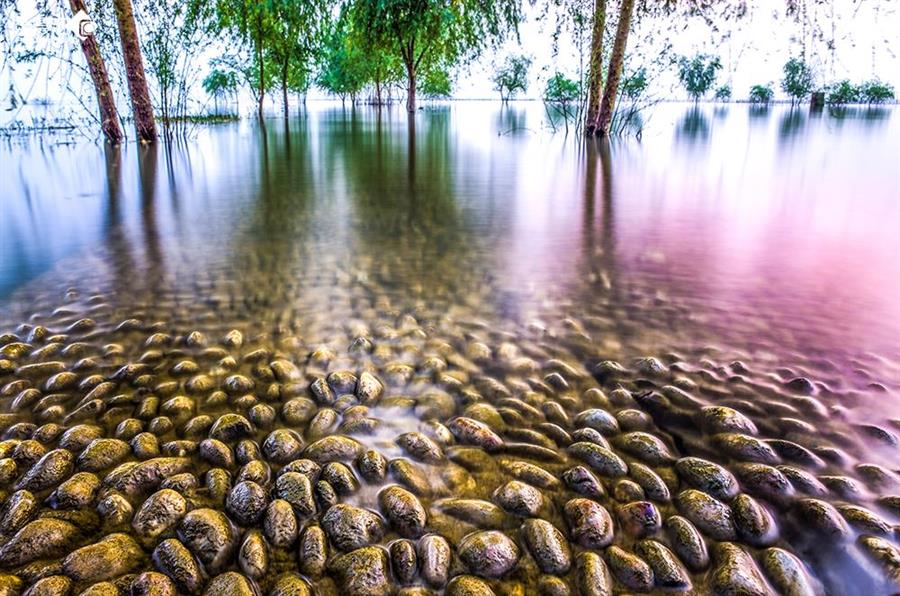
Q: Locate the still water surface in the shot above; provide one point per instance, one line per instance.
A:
(784, 220)
(725, 233)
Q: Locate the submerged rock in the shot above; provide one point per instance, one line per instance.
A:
(112, 556)
(488, 553)
(547, 546)
(350, 528)
(363, 572)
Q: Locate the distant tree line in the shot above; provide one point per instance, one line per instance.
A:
(381, 50)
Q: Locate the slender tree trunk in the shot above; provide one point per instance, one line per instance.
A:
(595, 73)
(144, 122)
(614, 73)
(284, 86)
(262, 69)
(109, 117)
(411, 89)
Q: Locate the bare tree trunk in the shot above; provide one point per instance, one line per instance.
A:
(411, 89)
(262, 69)
(595, 73)
(614, 73)
(284, 75)
(109, 117)
(144, 122)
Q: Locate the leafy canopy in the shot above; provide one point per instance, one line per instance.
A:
(875, 91)
(723, 93)
(798, 78)
(698, 74)
(436, 83)
(560, 89)
(512, 76)
(219, 82)
(843, 92)
(634, 86)
(439, 31)
(761, 93)
(343, 68)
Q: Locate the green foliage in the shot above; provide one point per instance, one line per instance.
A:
(560, 90)
(798, 79)
(723, 93)
(220, 82)
(875, 91)
(425, 33)
(435, 83)
(512, 77)
(299, 30)
(698, 74)
(634, 86)
(761, 93)
(343, 69)
(843, 92)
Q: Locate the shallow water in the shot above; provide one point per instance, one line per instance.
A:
(724, 234)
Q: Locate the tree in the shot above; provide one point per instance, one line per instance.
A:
(436, 83)
(761, 93)
(298, 31)
(141, 106)
(723, 93)
(560, 89)
(561, 92)
(219, 82)
(428, 32)
(109, 117)
(875, 91)
(343, 67)
(614, 72)
(634, 86)
(253, 21)
(174, 33)
(512, 76)
(843, 92)
(798, 79)
(595, 69)
(698, 74)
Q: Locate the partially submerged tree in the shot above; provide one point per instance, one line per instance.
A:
(798, 79)
(723, 93)
(298, 31)
(595, 69)
(218, 83)
(634, 85)
(512, 76)
(343, 68)
(436, 83)
(698, 74)
(843, 92)
(250, 21)
(614, 72)
(109, 117)
(560, 93)
(141, 106)
(875, 91)
(174, 34)
(429, 32)
(761, 93)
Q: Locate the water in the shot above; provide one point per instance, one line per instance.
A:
(766, 236)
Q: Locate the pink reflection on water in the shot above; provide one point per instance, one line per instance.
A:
(794, 231)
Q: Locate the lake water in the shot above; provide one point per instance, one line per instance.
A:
(753, 252)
